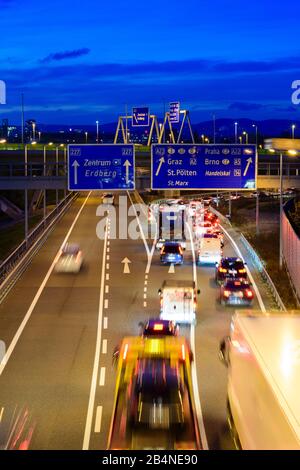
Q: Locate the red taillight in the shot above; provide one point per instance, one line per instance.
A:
(249, 293)
(158, 327)
(226, 293)
(242, 271)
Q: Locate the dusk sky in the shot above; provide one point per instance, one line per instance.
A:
(78, 61)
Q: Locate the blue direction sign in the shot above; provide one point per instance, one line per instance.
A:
(174, 111)
(216, 167)
(92, 167)
(140, 117)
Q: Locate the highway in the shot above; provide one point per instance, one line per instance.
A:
(61, 330)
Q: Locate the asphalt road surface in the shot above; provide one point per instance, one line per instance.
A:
(60, 331)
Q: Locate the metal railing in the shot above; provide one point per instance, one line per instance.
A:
(15, 264)
(258, 263)
(260, 266)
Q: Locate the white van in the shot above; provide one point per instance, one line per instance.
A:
(210, 249)
(178, 301)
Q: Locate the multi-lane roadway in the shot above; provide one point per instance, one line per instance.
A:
(60, 330)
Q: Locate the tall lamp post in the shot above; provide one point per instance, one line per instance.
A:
(246, 136)
(97, 138)
(292, 153)
(293, 131)
(236, 132)
(256, 133)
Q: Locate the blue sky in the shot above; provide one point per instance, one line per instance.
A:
(80, 61)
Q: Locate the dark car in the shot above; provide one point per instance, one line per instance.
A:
(236, 292)
(233, 268)
(171, 253)
(158, 327)
(155, 398)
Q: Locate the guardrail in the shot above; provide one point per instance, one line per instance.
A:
(16, 263)
(258, 262)
(263, 272)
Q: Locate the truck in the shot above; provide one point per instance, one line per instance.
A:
(154, 405)
(262, 354)
(178, 301)
(171, 225)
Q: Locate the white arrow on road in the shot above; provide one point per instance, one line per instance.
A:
(75, 165)
(161, 161)
(249, 161)
(126, 262)
(127, 164)
(171, 269)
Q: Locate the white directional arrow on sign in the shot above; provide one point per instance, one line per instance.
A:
(126, 262)
(75, 165)
(127, 164)
(249, 161)
(161, 161)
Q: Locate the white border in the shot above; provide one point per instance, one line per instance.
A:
(101, 189)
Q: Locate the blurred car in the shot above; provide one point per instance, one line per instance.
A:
(108, 198)
(212, 218)
(171, 253)
(202, 228)
(70, 259)
(158, 327)
(16, 428)
(236, 292)
(217, 232)
(210, 249)
(230, 268)
(155, 397)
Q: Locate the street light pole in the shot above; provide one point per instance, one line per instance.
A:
(236, 132)
(281, 210)
(97, 138)
(256, 133)
(293, 131)
(26, 196)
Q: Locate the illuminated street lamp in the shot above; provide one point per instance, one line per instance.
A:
(97, 138)
(256, 133)
(241, 139)
(33, 130)
(207, 140)
(39, 133)
(203, 138)
(235, 132)
(293, 131)
(86, 137)
(246, 136)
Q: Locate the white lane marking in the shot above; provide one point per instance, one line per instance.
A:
(108, 250)
(193, 364)
(105, 322)
(108, 242)
(145, 289)
(20, 330)
(106, 303)
(107, 258)
(90, 411)
(171, 269)
(107, 265)
(149, 252)
(126, 262)
(145, 304)
(259, 297)
(146, 276)
(107, 277)
(106, 289)
(145, 296)
(104, 346)
(98, 419)
(1, 413)
(102, 376)
(146, 282)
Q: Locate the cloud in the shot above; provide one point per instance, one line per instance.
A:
(238, 106)
(57, 56)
